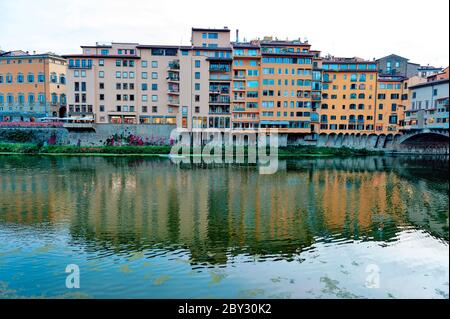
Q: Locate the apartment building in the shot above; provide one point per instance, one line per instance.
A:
(31, 86)
(348, 96)
(429, 108)
(395, 65)
(214, 83)
(129, 83)
(392, 100)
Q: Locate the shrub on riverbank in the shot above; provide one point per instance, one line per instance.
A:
(105, 149)
(290, 151)
(20, 148)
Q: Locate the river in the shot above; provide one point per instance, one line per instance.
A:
(360, 227)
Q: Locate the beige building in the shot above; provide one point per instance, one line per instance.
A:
(154, 84)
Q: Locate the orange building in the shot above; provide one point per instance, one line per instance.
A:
(31, 86)
(348, 96)
(392, 100)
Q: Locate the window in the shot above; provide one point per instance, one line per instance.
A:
(118, 74)
(197, 86)
(154, 75)
(30, 98)
(144, 64)
(101, 86)
(20, 78)
(104, 52)
(101, 74)
(154, 87)
(144, 86)
(118, 63)
(435, 92)
(144, 75)
(154, 98)
(197, 75)
(101, 62)
(213, 35)
(197, 63)
(154, 64)
(144, 98)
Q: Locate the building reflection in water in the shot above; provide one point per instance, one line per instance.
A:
(127, 204)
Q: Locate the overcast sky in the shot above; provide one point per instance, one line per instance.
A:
(415, 29)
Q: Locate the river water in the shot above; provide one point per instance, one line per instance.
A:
(364, 227)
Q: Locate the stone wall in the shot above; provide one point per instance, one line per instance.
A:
(156, 134)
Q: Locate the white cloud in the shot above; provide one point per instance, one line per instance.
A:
(368, 29)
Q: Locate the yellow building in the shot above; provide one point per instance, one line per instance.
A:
(392, 99)
(31, 86)
(348, 96)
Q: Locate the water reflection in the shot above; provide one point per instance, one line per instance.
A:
(131, 204)
(223, 215)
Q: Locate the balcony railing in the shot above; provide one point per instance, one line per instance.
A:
(225, 99)
(174, 66)
(219, 77)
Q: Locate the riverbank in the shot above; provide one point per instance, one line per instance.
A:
(286, 152)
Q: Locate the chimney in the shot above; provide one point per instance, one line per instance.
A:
(237, 35)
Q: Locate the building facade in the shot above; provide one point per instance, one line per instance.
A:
(395, 65)
(429, 105)
(348, 96)
(216, 83)
(32, 86)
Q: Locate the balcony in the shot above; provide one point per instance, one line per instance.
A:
(219, 90)
(238, 109)
(219, 110)
(173, 78)
(219, 77)
(174, 102)
(174, 66)
(220, 100)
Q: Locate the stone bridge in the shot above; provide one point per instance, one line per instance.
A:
(425, 141)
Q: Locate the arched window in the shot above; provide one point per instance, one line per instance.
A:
(323, 118)
(20, 98)
(361, 96)
(353, 96)
(54, 98)
(41, 98)
(62, 99)
(62, 79)
(31, 98)
(53, 77)
(352, 106)
(360, 106)
(20, 78)
(30, 78)
(41, 77)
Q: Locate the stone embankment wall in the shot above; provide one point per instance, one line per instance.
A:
(154, 134)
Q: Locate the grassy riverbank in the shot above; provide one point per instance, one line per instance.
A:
(283, 152)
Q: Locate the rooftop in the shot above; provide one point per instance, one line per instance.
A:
(332, 59)
(431, 83)
(19, 54)
(224, 29)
